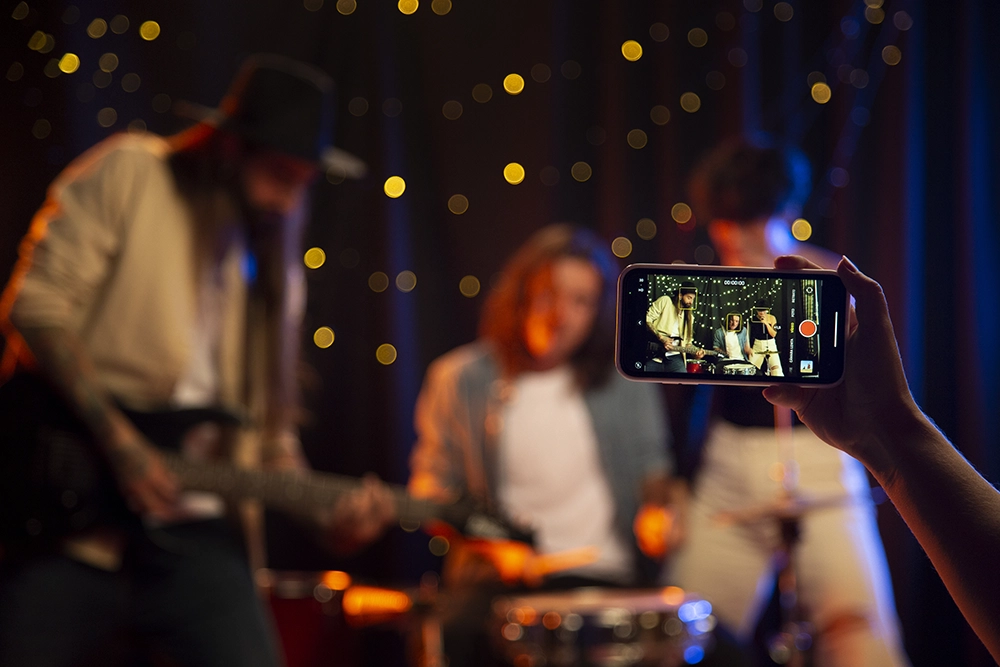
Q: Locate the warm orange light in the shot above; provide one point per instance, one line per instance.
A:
(336, 580)
(367, 605)
(673, 595)
(652, 525)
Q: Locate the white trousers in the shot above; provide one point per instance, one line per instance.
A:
(843, 577)
(766, 350)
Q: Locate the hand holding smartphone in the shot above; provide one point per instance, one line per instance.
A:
(731, 325)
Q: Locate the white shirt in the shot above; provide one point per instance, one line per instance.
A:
(551, 475)
(733, 348)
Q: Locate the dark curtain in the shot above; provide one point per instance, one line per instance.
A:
(905, 176)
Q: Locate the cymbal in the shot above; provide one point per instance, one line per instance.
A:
(785, 507)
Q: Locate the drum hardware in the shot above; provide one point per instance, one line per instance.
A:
(735, 367)
(597, 627)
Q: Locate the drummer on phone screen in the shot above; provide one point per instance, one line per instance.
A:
(731, 340)
(671, 318)
(762, 333)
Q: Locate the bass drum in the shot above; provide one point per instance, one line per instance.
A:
(597, 627)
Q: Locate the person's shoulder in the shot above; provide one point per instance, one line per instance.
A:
(124, 153)
(471, 359)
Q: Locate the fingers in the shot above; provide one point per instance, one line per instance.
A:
(868, 295)
(794, 262)
(787, 396)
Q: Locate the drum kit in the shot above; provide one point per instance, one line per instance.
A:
(721, 366)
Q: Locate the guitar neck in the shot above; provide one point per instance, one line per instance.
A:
(294, 491)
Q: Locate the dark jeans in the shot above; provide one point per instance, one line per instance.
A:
(184, 597)
(670, 364)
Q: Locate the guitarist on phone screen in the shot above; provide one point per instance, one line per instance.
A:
(671, 319)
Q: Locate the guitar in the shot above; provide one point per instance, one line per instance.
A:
(53, 482)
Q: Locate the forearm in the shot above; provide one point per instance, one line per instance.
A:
(953, 512)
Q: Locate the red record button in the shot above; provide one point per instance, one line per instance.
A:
(807, 328)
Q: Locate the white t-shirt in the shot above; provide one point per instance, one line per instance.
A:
(551, 475)
(733, 348)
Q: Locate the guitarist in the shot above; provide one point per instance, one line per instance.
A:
(162, 272)
(671, 319)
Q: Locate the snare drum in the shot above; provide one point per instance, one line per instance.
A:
(603, 628)
(739, 368)
(697, 366)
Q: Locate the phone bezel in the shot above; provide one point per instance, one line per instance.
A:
(832, 363)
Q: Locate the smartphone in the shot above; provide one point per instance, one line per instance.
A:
(688, 324)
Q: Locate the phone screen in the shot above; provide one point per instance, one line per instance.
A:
(730, 325)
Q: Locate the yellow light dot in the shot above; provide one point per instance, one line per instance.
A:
(149, 30)
(801, 229)
(119, 24)
(513, 173)
(452, 110)
(697, 37)
(690, 102)
(645, 229)
(681, 213)
(314, 258)
(581, 171)
(637, 139)
(323, 337)
(394, 187)
(874, 3)
(41, 129)
(346, 7)
(469, 286)
(874, 15)
(513, 84)
(20, 12)
(821, 92)
(51, 69)
(891, 55)
(482, 93)
(783, 12)
(438, 545)
(659, 32)
(632, 50)
(69, 63)
(441, 7)
(458, 204)
(621, 247)
(659, 114)
(312, 5)
(406, 281)
(408, 6)
(108, 62)
(130, 82)
(36, 41)
(50, 43)
(137, 126)
(378, 282)
(386, 354)
(107, 117)
(97, 28)
(15, 71)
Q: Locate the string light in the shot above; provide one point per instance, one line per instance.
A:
(458, 204)
(406, 281)
(469, 286)
(20, 12)
(346, 7)
(394, 187)
(581, 171)
(659, 114)
(119, 24)
(108, 62)
(313, 5)
(632, 50)
(783, 12)
(323, 337)
(636, 139)
(891, 55)
(681, 213)
(541, 73)
(621, 247)
(438, 545)
(107, 117)
(97, 28)
(697, 37)
(149, 30)
(513, 84)
(690, 102)
(69, 63)
(385, 354)
(378, 282)
(441, 7)
(482, 93)
(659, 32)
(821, 92)
(801, 229)
(408, 6)
(645, 229)
(358, 106)
(314, 258)
(513, 173)
(452, 110)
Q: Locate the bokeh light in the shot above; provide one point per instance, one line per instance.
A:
(581, 171)
(637, 139)
(571, 70)
(715, 80)
(725, 21)
(41, 129)
(97, 28)
(513, 84)
(137, 126)
(632, 50)
(645, 229)
(874, 15)
(621, 247)
(513, 173)
(541, 73)
(801, 229)
(783, 12)
(20, 12)
(406, 281)
(346, 7)
(441, 7)
(102, 79)
(15, 71)
(697, 37)
(659, 32)
(119, 24)
(681, 213)
(312, 5)
(458, 204)
(821, 92)
(394, 187)
(378, 282)
(385, 354)
(452, 109)
(69, 63)
(108, 62)
(323, 337)
(51, 68)
(902, 21)
(107, 117)
(408, 6)
(438, 545)
(149, 30)
(659, 114)
(392, 107)
(37, 41)
(690, 102)
(482, 93)
(469, 286)
(130, 82)
(358, 106)
(891, 55)
(314, 258)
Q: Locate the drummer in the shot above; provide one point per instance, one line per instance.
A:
(730, 340)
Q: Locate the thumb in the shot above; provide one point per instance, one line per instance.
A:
(786, 396)
(869, 298)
